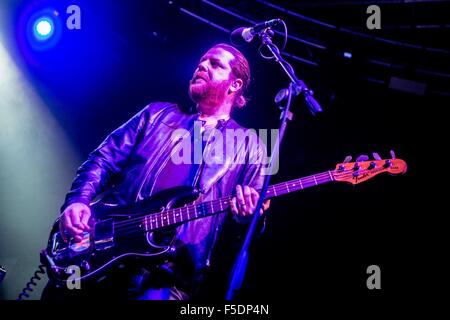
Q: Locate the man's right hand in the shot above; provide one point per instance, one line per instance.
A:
(75, 220)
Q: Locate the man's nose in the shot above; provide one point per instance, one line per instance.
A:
(202, 66)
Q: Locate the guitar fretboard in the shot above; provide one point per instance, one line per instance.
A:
(175, 216)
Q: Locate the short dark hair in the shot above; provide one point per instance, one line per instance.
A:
(241, 70)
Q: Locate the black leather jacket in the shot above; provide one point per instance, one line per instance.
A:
(130, 159)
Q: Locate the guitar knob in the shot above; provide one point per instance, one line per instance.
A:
(371, 165)
(356, 167)
(85, 265)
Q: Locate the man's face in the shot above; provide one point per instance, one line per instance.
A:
(212, 79)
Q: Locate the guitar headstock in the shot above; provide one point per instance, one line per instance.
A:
(360, 171)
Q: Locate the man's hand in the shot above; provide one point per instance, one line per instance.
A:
(244, 204)
(75, 220)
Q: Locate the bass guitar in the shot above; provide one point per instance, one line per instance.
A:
(145, 229)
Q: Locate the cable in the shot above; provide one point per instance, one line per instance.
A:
(273, 47)
(215, 25)
(2, 273)
(331, 27)
(353, 32)
(309, 43)
(28, 286)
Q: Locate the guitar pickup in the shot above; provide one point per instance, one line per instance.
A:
(104, 235)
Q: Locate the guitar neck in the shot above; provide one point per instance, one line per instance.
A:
(298, 184)
(200, 210)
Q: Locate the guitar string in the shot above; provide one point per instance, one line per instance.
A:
(169, 215)
(217, 202)
(135, 224)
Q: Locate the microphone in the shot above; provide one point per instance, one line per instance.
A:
(245, 35)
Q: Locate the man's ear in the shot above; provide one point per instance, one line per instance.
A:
(236, 85)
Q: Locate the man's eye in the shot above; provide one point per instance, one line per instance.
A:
(216, 64)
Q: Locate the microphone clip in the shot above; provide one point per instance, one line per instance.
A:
(245, 35)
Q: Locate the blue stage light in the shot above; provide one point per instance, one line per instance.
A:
(347, 55)
(43, 28)
(39, 30)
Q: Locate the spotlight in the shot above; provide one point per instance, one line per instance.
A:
(38, 29)
(347, 55)
(43, 28)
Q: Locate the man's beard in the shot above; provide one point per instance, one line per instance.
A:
(209, 93)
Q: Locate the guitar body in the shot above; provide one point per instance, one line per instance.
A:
(119, 234)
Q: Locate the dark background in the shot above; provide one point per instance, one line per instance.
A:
(318, 242)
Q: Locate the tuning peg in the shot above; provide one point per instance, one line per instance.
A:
(387, 163)
(376, 156)
(392, 154)
(347, 159)
(362, 157)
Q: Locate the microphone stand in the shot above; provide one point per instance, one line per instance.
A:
(296, 87)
